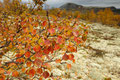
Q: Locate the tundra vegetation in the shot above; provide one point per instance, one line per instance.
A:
(106, 16)
(31, 41)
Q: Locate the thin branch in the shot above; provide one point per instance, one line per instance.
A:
(47, 14)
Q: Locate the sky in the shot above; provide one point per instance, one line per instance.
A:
(102, 3)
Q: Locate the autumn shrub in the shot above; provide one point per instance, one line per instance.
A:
(30, 43)
(106, 16)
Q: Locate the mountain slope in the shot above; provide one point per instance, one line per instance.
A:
(73, 6)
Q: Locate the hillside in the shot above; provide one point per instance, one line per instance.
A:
(73, 6)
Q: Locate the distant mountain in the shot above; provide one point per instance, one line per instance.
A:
(73, 6)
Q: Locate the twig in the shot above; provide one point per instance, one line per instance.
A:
(47, 14)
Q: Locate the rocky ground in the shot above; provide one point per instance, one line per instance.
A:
(101, 61)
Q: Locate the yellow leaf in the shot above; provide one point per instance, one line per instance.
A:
(10, 46)
(40, 40)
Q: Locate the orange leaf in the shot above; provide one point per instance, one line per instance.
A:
(30, 19)
(71, 56)
(40, 79)
(71, 49)
(28, 64)
(73, 60)
(2, 70)
(34, 32)
(68, 66)
(2, 77)
(23, 69)
(58, 60)
(27, 54)
(15, 74)
(45, 74)
(39, 70)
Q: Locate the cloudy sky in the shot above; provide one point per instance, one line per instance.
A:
(104, 3)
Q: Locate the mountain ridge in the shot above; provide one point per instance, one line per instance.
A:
(73, 6)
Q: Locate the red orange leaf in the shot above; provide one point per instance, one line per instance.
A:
(65, 57)
(15, 74)
(45, 74)
(60, 40)
(20, 60)
(56, 47)
(40, 79)
(37, 48)
(50, 49)
(51, 31)
(34, 32)
(46, 51)
(18, 55)
(38, 62)
(76, 33)
(38, 54)
(44, 23)
(27, 54)
(39, 70)
(32, 72)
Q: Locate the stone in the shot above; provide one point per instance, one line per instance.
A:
(57, 72)
(72, 75)
(100, 60)
(116, 59)
(95, 75)
(95, 65)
